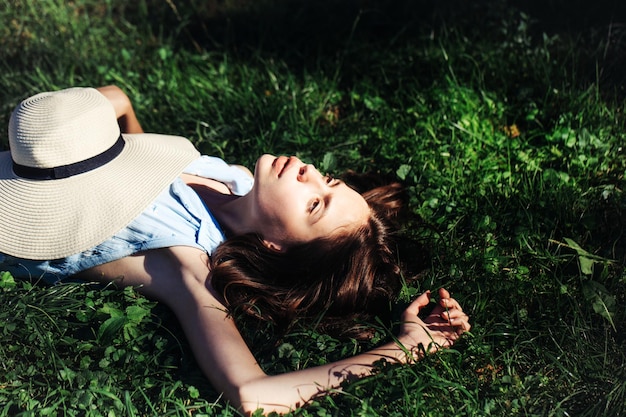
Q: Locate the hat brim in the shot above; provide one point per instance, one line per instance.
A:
(52, 219)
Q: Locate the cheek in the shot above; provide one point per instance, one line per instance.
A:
(280, 211)
(276, 202)
(281, 223)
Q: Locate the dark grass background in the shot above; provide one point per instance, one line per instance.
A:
(503, 118)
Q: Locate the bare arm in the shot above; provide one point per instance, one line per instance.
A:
(228, 363)
(283, 392)
(178, 276)
(124, 111)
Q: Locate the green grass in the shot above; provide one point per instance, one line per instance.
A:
(506, 125)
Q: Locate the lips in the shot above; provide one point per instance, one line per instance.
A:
(280, 164)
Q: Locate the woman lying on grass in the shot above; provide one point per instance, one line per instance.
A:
(77, 198)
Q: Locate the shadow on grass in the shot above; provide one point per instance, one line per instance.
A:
(305, 34)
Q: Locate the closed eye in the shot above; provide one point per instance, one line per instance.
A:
(330, 180)
(314, 204)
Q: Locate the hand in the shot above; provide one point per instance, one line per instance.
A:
(441, 328)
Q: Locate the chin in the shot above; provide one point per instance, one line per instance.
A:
(263, 164)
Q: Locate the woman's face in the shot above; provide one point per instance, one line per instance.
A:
(294, 203)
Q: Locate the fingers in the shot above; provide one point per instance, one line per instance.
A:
(452, 314)
(424, 299)
(420, 302)
(458, 320)
(441, 328)
(447, 320)
(446, 301)
(443, 293)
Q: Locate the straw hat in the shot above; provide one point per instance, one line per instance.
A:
(71, 180)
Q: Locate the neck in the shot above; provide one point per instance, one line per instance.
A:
(232, 212)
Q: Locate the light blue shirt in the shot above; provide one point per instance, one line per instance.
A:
(177, 217)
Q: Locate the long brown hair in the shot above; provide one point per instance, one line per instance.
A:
(340, 282)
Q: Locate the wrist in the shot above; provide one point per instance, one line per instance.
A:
(404, 348)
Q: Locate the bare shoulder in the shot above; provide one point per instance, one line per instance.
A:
(158, 273)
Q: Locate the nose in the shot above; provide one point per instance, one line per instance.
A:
(308, 173)
(303, 175)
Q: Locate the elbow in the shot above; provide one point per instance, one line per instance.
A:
(259, 394)
(249, 399)
(248, 409)
(244, 400)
